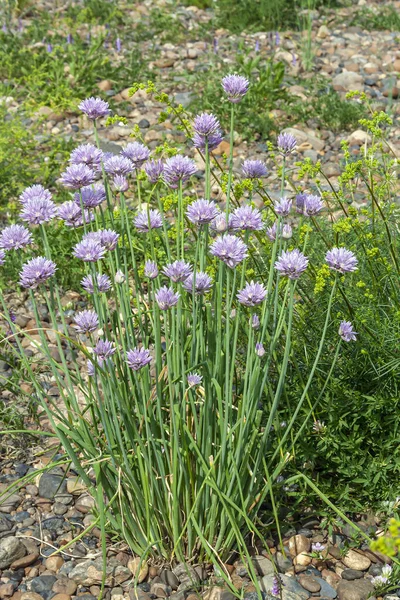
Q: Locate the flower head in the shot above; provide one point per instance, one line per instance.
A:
(347, 332)
(138, 358)
(38, 211)
(120, 183)
(178, 270)
(119, 277)
(286, 143)
(317, 547)
(95, 108)
(283, 206)
(220, 224)
(89, 250)
(88, 155)
(291, 264)
(319, 427)
(90, 196)
(246, 218)
(235, 87)
(77, 176)
(91, 369)
(166, 298)
(312, 205)
(103, 283)
(118, 165)
(252, 294)
(300, 202)
(194, 379)
(287, 231)
(72, 215)
(178, 169)
(144, 221)
(255, 322)
(15, 237)
(254, 169)
(2, 258)
(230, 249)
(36, 271)
(87, 321)
(272, 231)
(342, 260)
(207, 131)
(201, 212)
(260, 350)
(202, 283)
(154, 170)
(108, 238)
(104, 349)
(276, 586)
(151, 269)
(137, 153)
(35, 191)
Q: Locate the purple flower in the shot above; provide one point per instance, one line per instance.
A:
(88, 155)
(118, 45)
(154, 170)
(145, 221)
(255, 322)
(347, 332)
(220, 225)
(138, 358)
(277, 39)
(91, 196)
(287, 232)
(342, 260)
(201, 212)
(104, 349)
(272, 231)
(286, 143)
(151, 269)
(291, 264)
(254, 169)
(137, 153)
(317, 547)
(108, 238)
(166, 298)
(69, 39)
(194, 379)
(178, 169)
(120, 183)
(15, 237)
(207, 131)
(71, 214)
(300, 202)
(38, 211)
(260, 350)
(312, 205)
(49, 48)
(246, 218)
(36, 271)
(2, 258)
(89, 250)
(252, 294)
(177, 271)
(77, 176)
(103, 283)
(87, 321)
(118, 165)
(95, 108)
(230, 249)
(91, 369)
(283, 206)
(215, 45)
(202, 283)
(276, 586)
(37, 192)
(257, 46)
(235, 87)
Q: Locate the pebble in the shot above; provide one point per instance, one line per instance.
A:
(138, 568)
(264, 566)
(359, 589)
(25, 561)
(51, 484)
(356, 560)
(298, 544)
(11, 549)
(309, 583)
(351, 574)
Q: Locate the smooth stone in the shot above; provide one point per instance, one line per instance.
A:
(290, 587)
(327, 591)
(64, 586)
(51, 484)
(42, 585)
(303, 559)
(309, 583)
(360, 589)
(10, 503)
(90, 572)
(351, 574)
(263, 565)
(138, 568)
(283, 563)
(5, 524)
(356, 560)
(11, 549)
(169, 578)
(25, 561)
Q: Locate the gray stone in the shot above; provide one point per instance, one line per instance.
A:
(327, 591)
(283, 563)
(43, 585)
(5, 524)
(359, 589)
(351, 574)
(11, 549)
(90, 572)
(169, 578)
(263, 565)
(10, 503)
(52, 484)
(348, 81)
(291, 588)
(186, 574)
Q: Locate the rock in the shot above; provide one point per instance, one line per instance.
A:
(138, 568)
(6, 590)
(31, 596)
(42, 585)
(356, 560)
(303, 559)
(105, 85)
(186, 574)
(351, 574)
(51, 484)
(159, 589)
(10, 503)
(84, 503)
(135, 593)
(327, 591)
(169, 578)
(309, 583)
(323, 32)
(283, 562)
(25, 561)
(291, 588)
(300, 135)
(61, 597)
(144, 124)
(348, 81)
(54, 563)
(218, 593)
(298, 544)
(358, 138)
(263, 565)
(5, 526)
(63, 585)
(360, 589)
(89, 572)
(11, 549)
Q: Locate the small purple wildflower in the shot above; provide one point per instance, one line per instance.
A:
(235, 87)
(255, 322)
(194, 379)
(342, 260)
(87, 321)
(118, 165)
(154, 170)
(91, 196)
(137, 153)
(287, 232)
(317, 547)
(257, 47)
(89, 250)
(15, 237)
(2, 257)
(220, 225)
(300, 202)
(71, 214)
(103, 283)
(177, 271)
(246, 218)
(230, 249)
(277, 39)
(294, 60)
(118, 45)
(37, 192)
(166, 298)
(283, 206)
(36, 271)
(94, 108)
(137, 358)
(276, 586)
(347, 332)
(38, 211)
(49, 48)
(151, 269)
(145, 221)
(252, 294)
(286, 143)
(215, 45)
(91, 369)
(104, 349)
(254, 169)
(69, 39)
(88, 155)
(108, 239)
(77, 176)
(202, 283)
(178, 169)
(202, 212)
(120, 183)
(291, 264)
(312, 205)
(207, 131)
(260, 350)
(272, 231)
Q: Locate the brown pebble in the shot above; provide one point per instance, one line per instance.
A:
(153, 572)
(6, 590)
(31, 596)
(64, 585)
(62, 597)
(54, 563)
(16, 596)
(310, 584)
(25, 561)
(229, 568)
